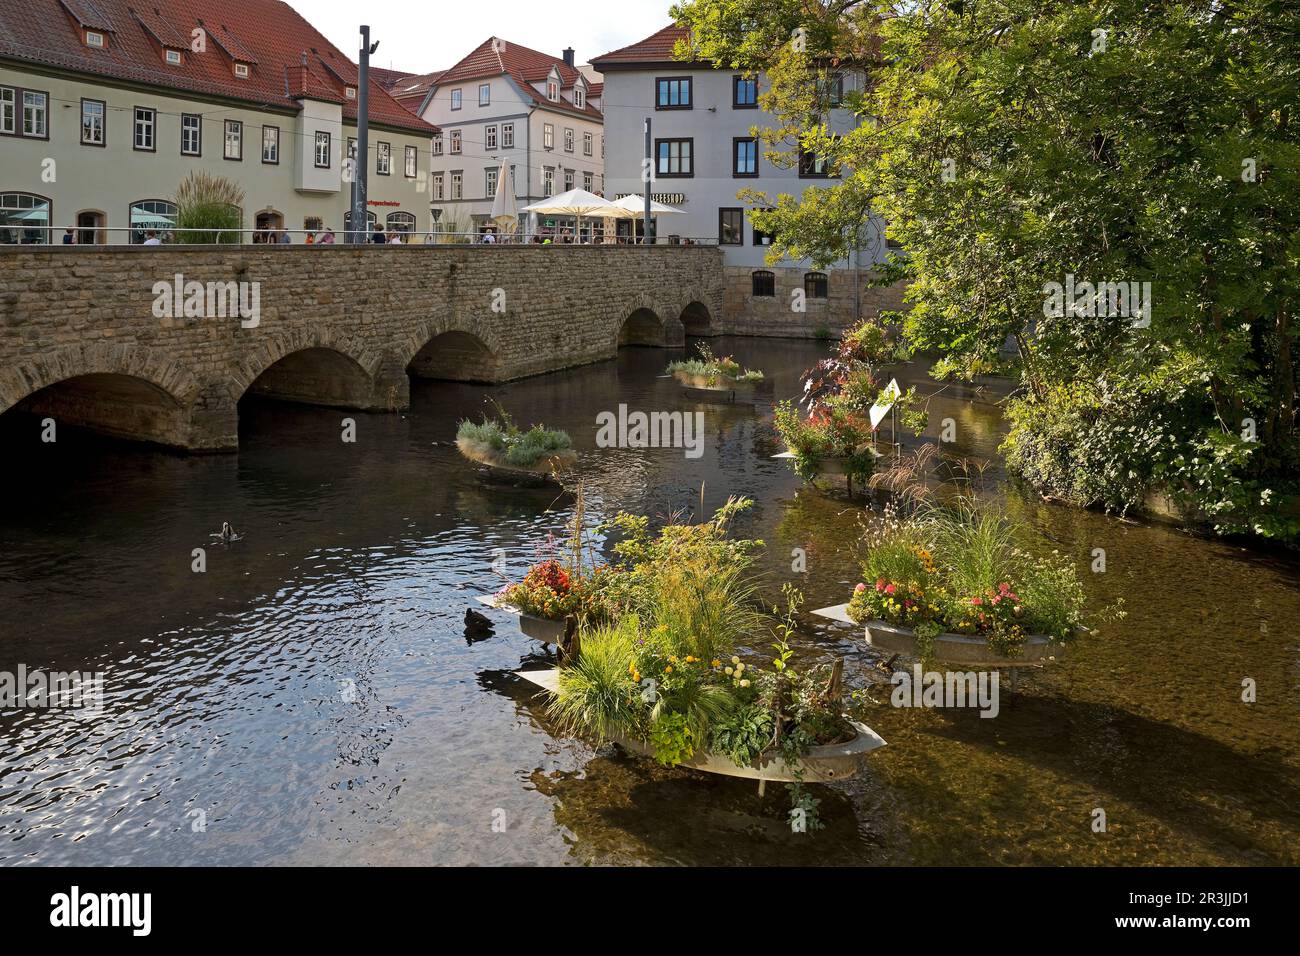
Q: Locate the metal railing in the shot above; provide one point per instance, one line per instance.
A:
(112, 236)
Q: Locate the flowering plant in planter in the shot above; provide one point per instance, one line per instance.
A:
(958, 569)
(501, 443)
(710, 372)
(833, 432)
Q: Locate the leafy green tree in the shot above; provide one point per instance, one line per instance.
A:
(1009, 144)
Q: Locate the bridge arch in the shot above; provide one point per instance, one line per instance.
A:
(316, 367)
(124, 391)
(453, 352)
(646, 321)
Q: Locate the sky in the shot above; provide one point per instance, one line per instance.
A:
(420, 37)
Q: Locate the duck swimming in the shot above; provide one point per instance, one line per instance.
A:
(227, 533)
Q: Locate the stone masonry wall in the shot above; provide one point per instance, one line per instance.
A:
(349, 323)
(848, 299)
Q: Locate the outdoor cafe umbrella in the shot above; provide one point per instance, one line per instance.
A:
(636, 206)
(578, 203)
(504, 211)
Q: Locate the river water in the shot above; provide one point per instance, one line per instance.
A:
(311, 697)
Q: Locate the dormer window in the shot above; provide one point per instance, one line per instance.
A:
(241, 70)
(552, 91)
(94, 39)
(579, 97)
(351, 92)
(173, 57)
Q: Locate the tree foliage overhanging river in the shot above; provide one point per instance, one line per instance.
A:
(314, 696)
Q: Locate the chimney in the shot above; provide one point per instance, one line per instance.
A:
(568, 57)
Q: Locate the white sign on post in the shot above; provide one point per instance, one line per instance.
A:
(879, 410)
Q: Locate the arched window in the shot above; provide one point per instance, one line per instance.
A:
(764, 283)
(814, 285)
(24, 218)
(151, 215)
(400, 222)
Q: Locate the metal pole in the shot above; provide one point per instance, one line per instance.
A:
(359, 231)
(649, 182)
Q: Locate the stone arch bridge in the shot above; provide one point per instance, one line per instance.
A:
(101, 338)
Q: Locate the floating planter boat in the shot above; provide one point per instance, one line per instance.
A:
(717, 379)
(819, 764)
(509, 455)
(542, 629)
(949, 648)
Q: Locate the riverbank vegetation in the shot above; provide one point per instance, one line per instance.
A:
(1110, 148)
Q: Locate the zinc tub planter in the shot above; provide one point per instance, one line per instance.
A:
(820, 764)
(948, 648)
(538, 628)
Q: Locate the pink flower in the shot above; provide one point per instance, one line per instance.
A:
(976, 601)
(859, 589)
(890, 589)
(880, 584)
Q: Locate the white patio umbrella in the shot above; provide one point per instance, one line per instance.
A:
(578, 203)
(505, 212)
(636, 205)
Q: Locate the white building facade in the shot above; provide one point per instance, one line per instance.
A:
(704, 152)
(105, 109)
(506, 107)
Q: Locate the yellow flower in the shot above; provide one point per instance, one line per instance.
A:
(668, 669)
(717, 663)
(690, 659)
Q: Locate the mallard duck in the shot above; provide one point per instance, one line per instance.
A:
(476, 624)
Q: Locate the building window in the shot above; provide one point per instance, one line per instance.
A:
(191, 134)
(437, 190)
(588, 181)
(548, 136)
(322, 150)
(485, 94)
(173, 57)
(350, 92)
(586, 144)
(744, 156)
(437, 143)
(579, 97)
(812, 166)
(814, 285)
(35, 114)
(507, 135)
(833, 90)
(568, 139)
(92, 122)
(763, 238)
(674, 157)
(490, 137)
(383, 158)
(548, 180)
(94, 39)
(151, 215)
(241, 70)
(412, 164)
(146, 122)
(457, 185)
(744, 92)
(24, 219)
(455, 99)
(673, 93)
(763, 284)
(7, 111)
(271, 144)
(234, 146)
(731, 226)
(352, 147)
(552, 91)
(313, 224)
(568, 180)
(455, 141)
(400, 223)
(490, 181)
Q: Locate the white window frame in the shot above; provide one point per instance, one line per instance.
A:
(271, 158)
(39, 130)
(457, 99)
(101, 127)
(437, 143)
(241, 70)
(8, 110)
(548, 136)
(237, 128)
(489, 137)
(197, 129)
(412, 162)
(146, 123)
(383, 159)
(491, 176)
(568, 139)
(323, 149)
(507, 135)
(95, 39)
(579, 97)
(586, 143)
(436, 191)
(455, 142)
(173, 57)
(457, 185)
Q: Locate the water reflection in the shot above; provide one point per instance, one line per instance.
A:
(314, 695)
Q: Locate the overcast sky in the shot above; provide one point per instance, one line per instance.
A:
(422, 37)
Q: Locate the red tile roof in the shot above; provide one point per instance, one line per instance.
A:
(656, 48)
(497, 57)
(410, 91)
(269, 35)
